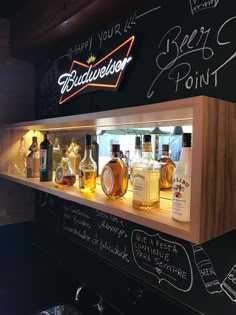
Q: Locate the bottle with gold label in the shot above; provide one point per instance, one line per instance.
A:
(74, 155)
(65, 174)
(114, 176)
(146, 179)
(167, 168)
(32, 165)
(87, 168)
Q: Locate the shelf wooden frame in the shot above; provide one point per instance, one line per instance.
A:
(213, 198)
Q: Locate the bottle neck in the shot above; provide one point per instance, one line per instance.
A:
(147, 150)
(115, 154)
(88, 151)
(185, 156)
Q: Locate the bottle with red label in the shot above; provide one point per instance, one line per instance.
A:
(114, 176)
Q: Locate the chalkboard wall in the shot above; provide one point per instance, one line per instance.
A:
(181, 48)
(201, 276)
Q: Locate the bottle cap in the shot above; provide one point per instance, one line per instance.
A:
(165, 147)
(115, 148)
(187, 139)
(34, 139)
(137, 141)
(147, 138)
(88, 139)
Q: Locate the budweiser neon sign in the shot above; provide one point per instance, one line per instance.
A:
(106, 73)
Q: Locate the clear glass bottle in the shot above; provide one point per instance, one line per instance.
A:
(19, 161)
(114, 176)
(32, 160)
(87, 169)
(167, 168)
(57, 154)
(137, 157)
(74, 155)
(146, 179)
(95, 152)
(65, 174)
(46, 159)
(182, 182)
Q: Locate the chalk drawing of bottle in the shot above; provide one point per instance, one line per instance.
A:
(206, 270)
(229, 284)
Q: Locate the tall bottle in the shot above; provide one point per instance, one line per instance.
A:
(57, 154)
(114, 176)
(32, 165)
(65, 174)
(95, 152)
(74, 155)
(182, 182)
(19, 161)
(146, 179)
(46, 159)
(137, 157)
(87, 168)
(167, 168)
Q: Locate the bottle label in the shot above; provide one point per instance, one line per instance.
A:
(107, 179)
(59, 174)
(146, 185)
(181, 197)
(29, 168)
(43, 160)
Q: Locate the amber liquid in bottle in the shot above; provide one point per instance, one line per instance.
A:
(65, 174)
(167, 168)
(114, 176)
(87, 169)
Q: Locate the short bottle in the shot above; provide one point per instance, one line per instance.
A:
(46, 159)
(114, 176)
(19, 162)
(137, 157)
(146, 179)
(87, 169)
(167, 168)
(65, 174)
(74, 155)
(57, 154)
(182, 182)
(32, 160)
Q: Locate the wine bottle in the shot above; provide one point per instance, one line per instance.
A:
(114, 176)
(46, 159)
(87, 169)
(182, 182)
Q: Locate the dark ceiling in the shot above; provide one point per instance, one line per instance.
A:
(8, 8)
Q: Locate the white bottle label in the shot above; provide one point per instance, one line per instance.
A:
(181, 197)
(43, 160)
(146, 185)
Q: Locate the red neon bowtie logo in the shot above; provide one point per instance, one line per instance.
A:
(104, 74)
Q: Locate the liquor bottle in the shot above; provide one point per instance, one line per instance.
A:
(182, 182)
(167, 168)
(19, 162)
(137, 157)
(206, 270)
(32, 160)
(146, 179)
(57, 154)
(74, 155)
(87, 169)
(46, 159)
(95, 152)
(65, 174)
(114, 176)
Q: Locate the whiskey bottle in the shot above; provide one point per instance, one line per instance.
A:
(167, 168)
(95, 152)
(87, 169)
(146, 179)
(65, 174)
(114, 176)
(57, 154)
(137, 157)
(182, 182)
(32, 160)
(74, 155)
(19, 162)
(46, 159)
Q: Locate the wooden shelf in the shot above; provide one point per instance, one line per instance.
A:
(213, 199)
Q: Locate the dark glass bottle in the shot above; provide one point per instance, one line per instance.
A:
(46, 159)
